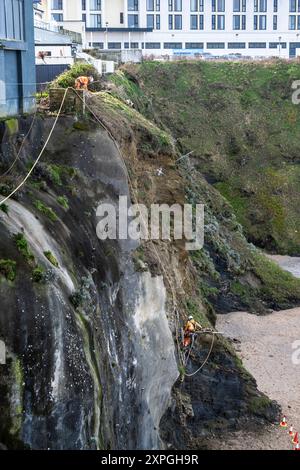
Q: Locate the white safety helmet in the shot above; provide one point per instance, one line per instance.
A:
(91, 79)
(190, 317)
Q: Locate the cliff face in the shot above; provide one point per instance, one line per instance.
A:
(90, 327)
(86, 364)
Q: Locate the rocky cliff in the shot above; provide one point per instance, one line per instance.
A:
(90, 326)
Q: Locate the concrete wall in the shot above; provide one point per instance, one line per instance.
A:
(17, 64)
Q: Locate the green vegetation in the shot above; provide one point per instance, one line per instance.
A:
(278, 286)
(8, 269)
(47, 211)
(67, 79)
(12, 125)
(258, 405)
(4, 207)
(239, 119)
(38, 275)
(23, 247)
(50, 257)
(17, 386)
(63, 201)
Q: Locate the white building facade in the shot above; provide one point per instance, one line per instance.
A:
(249, 27)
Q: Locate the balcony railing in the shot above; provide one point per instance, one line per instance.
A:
(55, 28)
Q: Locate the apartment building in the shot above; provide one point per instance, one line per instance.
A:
(248, 27)
(17, 67)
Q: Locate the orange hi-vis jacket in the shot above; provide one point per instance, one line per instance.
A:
(191, 326)
(81, 83)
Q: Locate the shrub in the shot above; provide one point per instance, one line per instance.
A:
(63, 201)
(8, 269)
(50, 257)
(67, 78)
(23, 247)
(4, 208)
(38, 274)
(47, 211)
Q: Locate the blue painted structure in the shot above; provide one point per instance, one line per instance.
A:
(17, 60)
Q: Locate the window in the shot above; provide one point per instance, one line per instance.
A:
(260, 6)
(84, 17)
(194, 45)
(218, 22)
(114, 45)
(215, 45)
(172, 45)
(194, 21)
(218, 5)
(275, 6)
(236, 45)
(152, 5)
(194, 5)
(98, 45)
(152, 45)
(175, 5)
(178, 22)
(236, 5)
(275, 45)
(133, 45)
(12, 20)
(257, 45)
(150, 21)
(58, 17)
(294, 6)
(157, 22)
(83, 4)
(95, 5)
(275, 22)
(133, 21)
(121, 18)
(175, 22)
(133, 5)
(95, 21)
(294, 22)
(57, 4)
(236, 22)
(260, 22)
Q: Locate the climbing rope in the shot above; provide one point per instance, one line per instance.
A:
(40, 154)
(206, 359)
(21, 147)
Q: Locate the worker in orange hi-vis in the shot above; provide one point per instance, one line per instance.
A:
(82, 83)
(190, 329)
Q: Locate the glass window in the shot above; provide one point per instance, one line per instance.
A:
(150, 21)
(194, 22)
(133, 21)
(178, 22)
(236, 5)
(95, 21)
(194, 5)
(157, 25)
(150, 5)
(133, 5)
(236, 22)
(59, 17)
(57, 4)
(95, 5)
